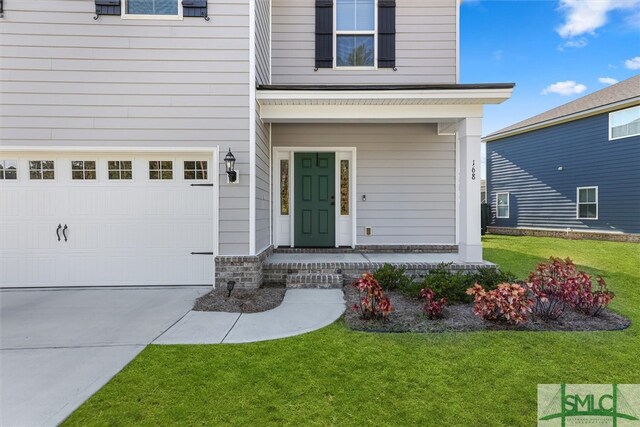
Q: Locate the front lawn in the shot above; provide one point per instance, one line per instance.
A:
(340, 377)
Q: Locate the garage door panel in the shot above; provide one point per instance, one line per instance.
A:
(130, 232)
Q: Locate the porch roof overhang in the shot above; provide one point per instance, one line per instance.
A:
(445, 103)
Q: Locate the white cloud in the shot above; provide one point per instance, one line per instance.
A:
(574, 43)
(586, 16)
(633, 63)
(607, 80)
(565, 88)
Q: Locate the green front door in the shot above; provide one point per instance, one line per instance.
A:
(314, 202)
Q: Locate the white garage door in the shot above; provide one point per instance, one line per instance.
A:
(87, 219)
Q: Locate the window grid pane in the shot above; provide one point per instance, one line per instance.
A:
(152, 7)
(159, 170)
(120, 169)
(196, 170)
(354, 51)
(41, 169)
(8, 169)
(83, 169)
(355, 15)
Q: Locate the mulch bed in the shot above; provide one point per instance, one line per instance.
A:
(408, 317)
(241, 300)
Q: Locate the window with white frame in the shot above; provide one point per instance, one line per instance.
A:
(587, 203)
(196, 169)
(160, 170)
(120, 169)
(41, 169)
(8, 169)
(502, 205)
(83, 170)
(355, 33)
(152, 8)
(624, 123)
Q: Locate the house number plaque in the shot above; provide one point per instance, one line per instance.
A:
(473, 171)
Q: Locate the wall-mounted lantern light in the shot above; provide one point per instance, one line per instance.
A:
(230, 162)
(230, 285)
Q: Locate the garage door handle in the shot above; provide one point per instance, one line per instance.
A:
(58, 231)
(64, 232)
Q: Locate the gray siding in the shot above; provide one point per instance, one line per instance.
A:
(263, 182)
(541, 196)
(67, 80)
(263, 41)
(425, 45)
(406, 171)
(262, 153)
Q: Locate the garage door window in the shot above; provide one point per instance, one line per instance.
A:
(159, 170)
(8, 169)
(41, 169)
(120, 169)
(83, 170)
(195, 170)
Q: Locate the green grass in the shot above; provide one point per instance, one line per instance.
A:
(339, 377)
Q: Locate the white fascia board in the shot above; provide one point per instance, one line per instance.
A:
(488, 96)
(568, 118)
(367, 113)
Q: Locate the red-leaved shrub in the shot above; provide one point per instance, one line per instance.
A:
(373, 303)
(507, 303)
(557, 284)
(433, 307)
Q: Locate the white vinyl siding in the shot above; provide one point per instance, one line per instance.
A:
(425, 46)
(68, 80)
(406, 172)
(502, 205)
(587, 204)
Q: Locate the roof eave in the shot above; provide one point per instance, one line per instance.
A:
(629, 102)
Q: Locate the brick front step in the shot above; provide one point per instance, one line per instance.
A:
(314, 280)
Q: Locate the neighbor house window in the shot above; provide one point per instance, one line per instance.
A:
(195, 169)
(160, 169)
(41, 169)
(8, 169)
(502, 205)
(83, 169)
(355, 33)
(120, 169)
(587, 203)
(624, 123)
(152, 8)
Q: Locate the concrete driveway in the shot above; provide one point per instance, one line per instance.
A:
(58, 347)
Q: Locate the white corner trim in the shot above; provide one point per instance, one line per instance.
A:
(252, 128)
(458, 41)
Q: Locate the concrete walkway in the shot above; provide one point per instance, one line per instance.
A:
(303, 310)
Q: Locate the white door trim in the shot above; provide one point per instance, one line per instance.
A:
(280, 153)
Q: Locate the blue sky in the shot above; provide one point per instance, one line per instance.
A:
(555, 51)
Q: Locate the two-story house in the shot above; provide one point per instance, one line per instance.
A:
(149, 142)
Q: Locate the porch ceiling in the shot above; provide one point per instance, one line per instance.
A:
(425, 103)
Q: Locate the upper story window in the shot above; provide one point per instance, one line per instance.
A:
(152, 9)
(624, 123)
(355, 24)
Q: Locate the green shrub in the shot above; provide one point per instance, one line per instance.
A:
(393, 278)
(491, 277)
(447, 284)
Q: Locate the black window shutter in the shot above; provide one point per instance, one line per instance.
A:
(324, 33)
(195, 8)
(107, 7)
(386, 33)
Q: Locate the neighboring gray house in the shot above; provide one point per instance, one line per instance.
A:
(571, 170)
(346, 120)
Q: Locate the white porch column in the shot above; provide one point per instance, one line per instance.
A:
(470, 245)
